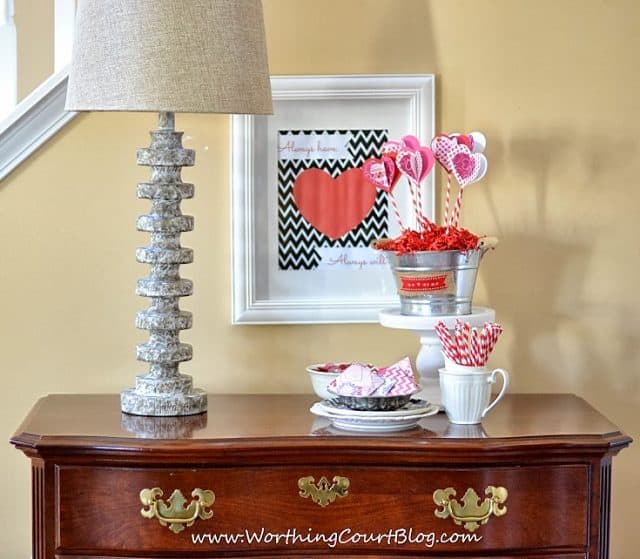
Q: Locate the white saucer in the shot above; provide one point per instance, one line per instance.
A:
(373, 421)
(414, 406)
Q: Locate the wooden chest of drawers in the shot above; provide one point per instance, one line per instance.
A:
(260, 476)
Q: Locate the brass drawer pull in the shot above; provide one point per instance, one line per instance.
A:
(176, 515)
(323, 492)
(472, 513)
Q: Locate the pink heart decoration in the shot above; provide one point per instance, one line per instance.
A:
(382, 173)
(411, 142)
(442, 147)
(415, 164)
(466, 167)
(391, 148)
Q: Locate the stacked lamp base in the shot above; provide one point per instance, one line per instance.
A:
(164, 391)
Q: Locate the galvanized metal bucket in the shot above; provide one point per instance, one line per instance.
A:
(437, 283)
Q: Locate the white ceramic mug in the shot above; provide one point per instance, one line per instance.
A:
(466, 392)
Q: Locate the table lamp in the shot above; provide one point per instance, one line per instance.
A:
(167, 56)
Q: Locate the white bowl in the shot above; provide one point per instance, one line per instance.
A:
(320, 380)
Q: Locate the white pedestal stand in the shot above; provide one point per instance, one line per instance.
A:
(430, 358)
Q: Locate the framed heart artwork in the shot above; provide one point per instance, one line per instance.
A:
(303, 214)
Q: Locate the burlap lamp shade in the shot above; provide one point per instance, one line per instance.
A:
(194, 56)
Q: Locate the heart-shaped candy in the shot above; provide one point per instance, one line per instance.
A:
(382, 173)
(442, 147)
(415, 164)
(466, 167)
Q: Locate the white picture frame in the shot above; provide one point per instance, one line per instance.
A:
(263, 294)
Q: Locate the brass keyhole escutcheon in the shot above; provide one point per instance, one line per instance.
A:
(323, 493)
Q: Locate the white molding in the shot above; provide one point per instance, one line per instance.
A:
(36, 119)
(64, 17)
(245, 306)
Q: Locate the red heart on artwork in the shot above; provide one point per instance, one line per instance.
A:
(381, 173)
(333, 206)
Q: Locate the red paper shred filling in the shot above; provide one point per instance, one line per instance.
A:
(437, 238)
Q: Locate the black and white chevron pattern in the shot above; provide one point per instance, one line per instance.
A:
(297, 238)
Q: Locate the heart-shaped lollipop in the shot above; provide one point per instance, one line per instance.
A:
(382, 173)
(415, 164)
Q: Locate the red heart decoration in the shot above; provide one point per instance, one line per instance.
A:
(466, 140)
(382, 173)
(415, 164)
(333, 206)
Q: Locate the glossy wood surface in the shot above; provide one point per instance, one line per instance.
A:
(89, 462)
(281, 416)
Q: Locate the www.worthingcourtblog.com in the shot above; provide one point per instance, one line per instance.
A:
(347, 536)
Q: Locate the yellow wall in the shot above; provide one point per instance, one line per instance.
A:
(554, 84)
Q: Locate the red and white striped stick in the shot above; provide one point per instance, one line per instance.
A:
(414, 203)
(396, 211)
(455, 219)
(447, 201)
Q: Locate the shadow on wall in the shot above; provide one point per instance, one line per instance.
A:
(529, 297)
(538, 283)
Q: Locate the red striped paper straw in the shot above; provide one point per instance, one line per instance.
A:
(476, 352)
(448, 345)
(484, 343)
(462, 343)
(495, 330)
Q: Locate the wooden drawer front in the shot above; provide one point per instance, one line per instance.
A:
(385, 510)
(349, 556)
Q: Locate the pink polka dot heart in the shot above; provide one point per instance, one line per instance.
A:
(442, 146)
(467, 167)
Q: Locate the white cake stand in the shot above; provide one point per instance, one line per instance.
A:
(430, 358)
